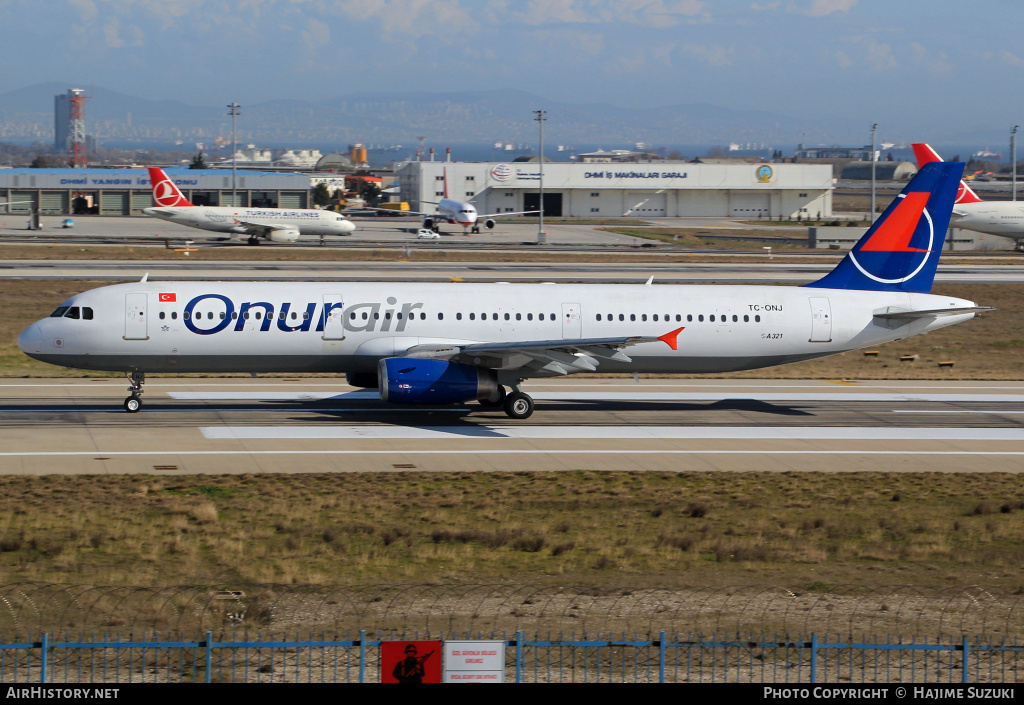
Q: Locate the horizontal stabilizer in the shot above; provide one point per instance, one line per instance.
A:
(892, 312)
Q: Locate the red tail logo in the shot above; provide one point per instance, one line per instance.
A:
(894, 233)
(165, 193)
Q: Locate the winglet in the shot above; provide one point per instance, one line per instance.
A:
(670, 338)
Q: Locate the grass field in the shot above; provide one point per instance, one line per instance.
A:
(592, 528)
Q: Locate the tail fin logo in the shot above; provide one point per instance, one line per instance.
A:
(888, 250)
(165, 193)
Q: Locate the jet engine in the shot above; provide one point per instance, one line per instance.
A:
(284, 235)
(410, 380)
(489, 223)
(428, 223)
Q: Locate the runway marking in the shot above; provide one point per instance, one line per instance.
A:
(825, 433)
(954, 411)
(630, 396)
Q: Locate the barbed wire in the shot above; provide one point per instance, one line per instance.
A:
(437, 608)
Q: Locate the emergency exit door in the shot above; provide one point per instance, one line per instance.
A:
(135, 326)
(572, 321)
(821, 320)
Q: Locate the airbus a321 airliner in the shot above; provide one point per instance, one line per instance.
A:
(436, 343)
(273, 224)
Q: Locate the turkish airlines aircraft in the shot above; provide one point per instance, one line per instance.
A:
(1004, 218)
(456, 212)
(437, 343)
(273, 224)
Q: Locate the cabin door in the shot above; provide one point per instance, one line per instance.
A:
(135, 326)
(821, 320)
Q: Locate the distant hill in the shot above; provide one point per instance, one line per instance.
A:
(26, 115)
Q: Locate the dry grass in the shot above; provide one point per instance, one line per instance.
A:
(621, 528)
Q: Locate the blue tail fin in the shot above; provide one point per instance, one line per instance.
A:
(901, 250)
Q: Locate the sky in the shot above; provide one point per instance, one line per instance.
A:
(883, 61)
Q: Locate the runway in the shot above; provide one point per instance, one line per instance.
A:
(320, 425)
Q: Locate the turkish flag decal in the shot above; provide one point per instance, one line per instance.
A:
(168, 297)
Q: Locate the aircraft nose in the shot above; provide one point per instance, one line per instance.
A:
(348, 226)
(30, 339)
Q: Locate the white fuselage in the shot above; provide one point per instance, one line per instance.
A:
(1004, 218)
(349, 326)
(308, 221)
(457, 212)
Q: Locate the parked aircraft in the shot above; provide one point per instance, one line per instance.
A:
(1004, 218)
(273, 224)
(455, 212)
(436, 343)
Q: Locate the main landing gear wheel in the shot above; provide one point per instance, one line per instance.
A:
(519, 405)
(253, 240)
(132, 404)
(495, 403)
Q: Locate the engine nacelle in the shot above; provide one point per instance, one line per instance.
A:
(284, 235)
(428, 223)
(489, 223)
(411, 380)
(366, 380)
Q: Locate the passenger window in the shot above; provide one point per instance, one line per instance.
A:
(294, 315)
(376, 316)
(757, 319)
(689, 318)
(162, 314)
(632, 316)
(72, 313)
(246, 316)
(174, 315)
(458, 316)
(711, 318)
(472, 316)
(735, 318)
(259, 315)
(643, 317)
(494, 316)
(655, 317)
(519, 316)
(746, 319)
(423, 316)
(553, 316)
(540, 316)
(387, 316)
(622, 317)
(440, 316)
(352, 315)
(678, 318)
(86, 313)
(599, 316)
(222, 315)
(529, 316)
(507, 317)
(234, 315)
(305, 315)
(364, 315)
(700, 318)
(188, 314)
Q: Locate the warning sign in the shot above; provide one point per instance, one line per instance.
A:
(410, 662)
(474, 662)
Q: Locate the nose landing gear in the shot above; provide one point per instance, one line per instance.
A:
(134, 402)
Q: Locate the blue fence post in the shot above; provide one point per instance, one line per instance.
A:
(814, 658)
(964, 676)
(44, 657)
(362, 655)
(209, 655)
(661, 658)
(519, 656)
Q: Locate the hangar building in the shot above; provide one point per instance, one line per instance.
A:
(643, 190)
(127, 191)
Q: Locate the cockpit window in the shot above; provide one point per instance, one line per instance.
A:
(86, 313)
(73, 312)
(59, 313)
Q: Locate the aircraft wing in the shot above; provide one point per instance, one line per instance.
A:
(553, 356)
(254, 227)
(501, 215)
(394, 212)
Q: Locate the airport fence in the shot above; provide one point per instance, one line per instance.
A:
(230, 657)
